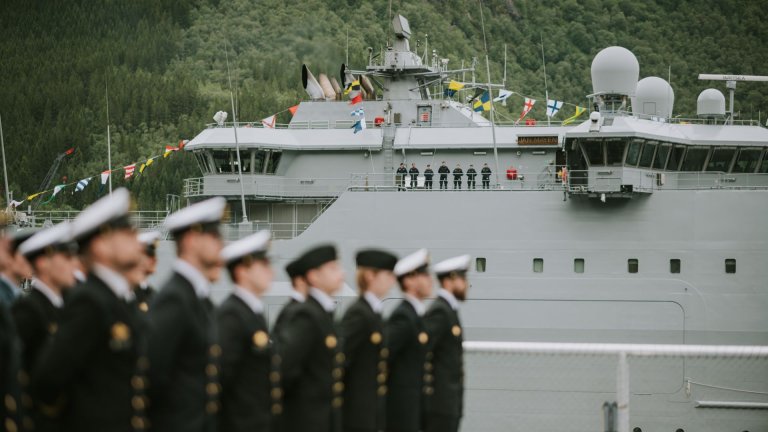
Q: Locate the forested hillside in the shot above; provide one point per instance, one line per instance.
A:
(162, 63)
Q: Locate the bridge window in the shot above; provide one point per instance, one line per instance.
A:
(538, 265)
(273, 162)
(674, 265)
(746, 161)
(222, 159)
(480, 265)
(646, 157)
(660, 161)
(615, 151)
(593, 149)
(721, 159)
(675, 156)
(694, 159)
(730, 265)
(633, 153)
(632, 265)
(578, 265)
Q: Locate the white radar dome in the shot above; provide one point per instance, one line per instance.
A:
(654, 97)
(615, 71)
(711, 103)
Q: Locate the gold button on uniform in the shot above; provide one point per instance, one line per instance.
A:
(137, 422)
(381, 378)
(212, 407)
(337, 402)
(274, 377)
(428, 366)
(10, 403)
(137, 383)
(53, 328)
(143, 306)
(340, 357)
(260, 339)
(215, 350)
(375, 338)
(382, 390)
(277, 393)
(337, 373)
(211, 370)
(429, 390)
(277, 409)
(384, 353)
(212, 388)
(338, 387)
(382, 365)
(330, 341)
(423, 338)
(138, 403)
(10, 425)
(456, 330)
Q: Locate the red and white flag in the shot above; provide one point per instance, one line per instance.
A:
(527, 107)
(269, 122)
(129, 171)
(105, 176)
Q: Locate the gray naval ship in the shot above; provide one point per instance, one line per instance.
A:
(632, 227)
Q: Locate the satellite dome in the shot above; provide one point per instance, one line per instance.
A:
(654, 97)
(711, 103)
(615, 71)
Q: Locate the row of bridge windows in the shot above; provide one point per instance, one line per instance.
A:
(633, 265)
(658, 155)
(225, 161)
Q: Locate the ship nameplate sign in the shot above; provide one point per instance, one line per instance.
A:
(538, 140)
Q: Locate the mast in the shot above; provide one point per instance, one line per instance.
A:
(490, 97)
(5, 169)
(237, 143)
(544, 64)
(109, 140)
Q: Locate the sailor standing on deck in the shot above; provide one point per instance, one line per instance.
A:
(144, 292)
(311, 360)
(414, 173)
(444, 171)
(486, 173)
(401, 173)
(457, 174)
(16, 268)
(37, 314)
(407, 339)
(471, 174)
(246, 352)
(428, 174)
(444, 408)
(183, 346)
(362, 334)
(96, 358)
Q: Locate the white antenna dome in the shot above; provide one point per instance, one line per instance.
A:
(654, 97)
(615, 71)
(711, 103)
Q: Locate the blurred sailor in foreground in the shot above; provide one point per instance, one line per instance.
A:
(246, 352)
(311, 359)
(92, 361)
(362, 333)
(11, 410)
(295, 270)
(444, 408)
(407, 339)
(144, 292)
(37, 314)
(183, 347)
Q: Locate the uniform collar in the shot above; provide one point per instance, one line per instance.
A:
(299, 297)
(193, 275)
(324, 299)
(114, 281)
(417, 304)
(45, 290)
(375, 302)
(253, 301)
(449, 297)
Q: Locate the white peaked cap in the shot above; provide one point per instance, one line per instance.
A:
(455, 264)
(253, 244)
(208, 211)
(411, 262)
(112, 207)
(53, 236)
(149, 237)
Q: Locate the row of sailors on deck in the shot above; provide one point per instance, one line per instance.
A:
(100, 352)
(444, 171)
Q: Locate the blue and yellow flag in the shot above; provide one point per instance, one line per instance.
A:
(453, 87)
(483, 103)
(353, 86)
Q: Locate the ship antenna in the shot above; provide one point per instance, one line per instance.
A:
(234, 129)
(490, 95)
(544, 64)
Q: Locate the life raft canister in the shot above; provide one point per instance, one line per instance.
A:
(512, 173)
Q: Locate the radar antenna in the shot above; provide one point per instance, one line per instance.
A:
(730, 84)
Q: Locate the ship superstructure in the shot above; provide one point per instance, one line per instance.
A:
(631, 227)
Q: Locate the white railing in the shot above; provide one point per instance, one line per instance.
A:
(755, 373)
(144, 220)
